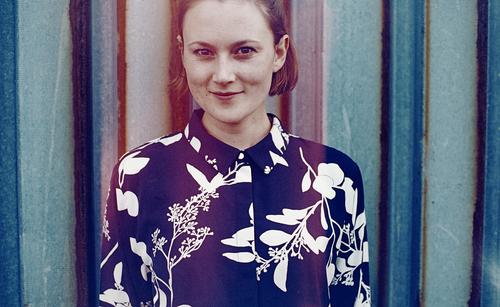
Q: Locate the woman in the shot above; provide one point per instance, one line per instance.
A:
(234, 211)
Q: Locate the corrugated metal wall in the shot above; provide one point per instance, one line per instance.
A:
(410, 89)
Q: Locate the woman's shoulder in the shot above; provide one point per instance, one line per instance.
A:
(155, 146)
(324, 153)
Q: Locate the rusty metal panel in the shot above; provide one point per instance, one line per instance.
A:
(352, 103)
(306, 100)
(104, 119)
(450, 153)
(147, 43)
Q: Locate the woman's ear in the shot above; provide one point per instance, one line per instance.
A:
(280, 51)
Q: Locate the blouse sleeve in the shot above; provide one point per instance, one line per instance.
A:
(124, 262)
(350, 285)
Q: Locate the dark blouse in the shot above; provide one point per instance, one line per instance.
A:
(192, 221)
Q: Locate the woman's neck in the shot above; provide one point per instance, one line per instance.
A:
(241, 135)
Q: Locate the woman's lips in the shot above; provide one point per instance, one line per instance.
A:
(225, 95)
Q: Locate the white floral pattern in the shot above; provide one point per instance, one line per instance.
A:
(314, 219)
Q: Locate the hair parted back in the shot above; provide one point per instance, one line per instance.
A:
(283, 81)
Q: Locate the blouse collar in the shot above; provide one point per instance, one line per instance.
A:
(266, 154)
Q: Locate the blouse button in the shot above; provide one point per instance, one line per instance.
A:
(241, 156)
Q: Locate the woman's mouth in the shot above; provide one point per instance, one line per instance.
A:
(225, 95)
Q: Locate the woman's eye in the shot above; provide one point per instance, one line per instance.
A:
(202, 52)
(245, 51)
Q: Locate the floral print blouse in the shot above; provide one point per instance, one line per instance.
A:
(192, 221)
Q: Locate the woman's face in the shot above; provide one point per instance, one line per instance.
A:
(229, 57)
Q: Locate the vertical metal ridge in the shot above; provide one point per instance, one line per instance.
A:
(307, 99)
(79, 12)
(402, 131)
(425, 148)
(105, 123)
(481, 97)
(490, 279)
(384, 216)
(122, 76)
(418, 149)
(10, 223)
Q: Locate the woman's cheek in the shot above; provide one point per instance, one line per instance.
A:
(255, 74)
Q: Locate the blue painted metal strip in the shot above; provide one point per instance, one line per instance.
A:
(490, 294)
(450, 152)
(405, 162)
(10, 266)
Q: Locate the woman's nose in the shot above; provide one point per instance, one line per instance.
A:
(223, 73)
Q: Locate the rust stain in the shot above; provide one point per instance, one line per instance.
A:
(427, 66)
(122, 76)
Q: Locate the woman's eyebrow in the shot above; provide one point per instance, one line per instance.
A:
(238, 43)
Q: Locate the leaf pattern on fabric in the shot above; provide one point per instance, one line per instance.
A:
(170, 140)
(277, 159)
(243, 257)
(127, 201)
(283, 245)
(185, 225)
(131, 165)
(280, 274)
(300, 229)
(275, 237)
(195, 142)
(117, 296)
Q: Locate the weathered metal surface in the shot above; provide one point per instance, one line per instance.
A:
(306, 103)
(79, 15)
(490, 294)
(404, 187)
(351, 115)
(148, 42)
(10, 263)
(450, 153)
(481, 102)
(46, 154)
(104, 116)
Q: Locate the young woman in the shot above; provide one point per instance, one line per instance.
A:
(234, 211)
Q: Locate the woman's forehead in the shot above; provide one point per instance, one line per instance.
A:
(214, 19)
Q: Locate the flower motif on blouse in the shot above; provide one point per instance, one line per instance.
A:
(118, 296)
(184, 219)
(329, 176)
(283, 245)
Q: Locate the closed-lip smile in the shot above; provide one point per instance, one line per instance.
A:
(225, 95)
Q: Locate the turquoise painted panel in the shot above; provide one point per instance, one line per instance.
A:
(491, 240)
(351, 116)
(401, 280)
(46, 154)
(104, 120)
(10, 265)
(450, 165)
